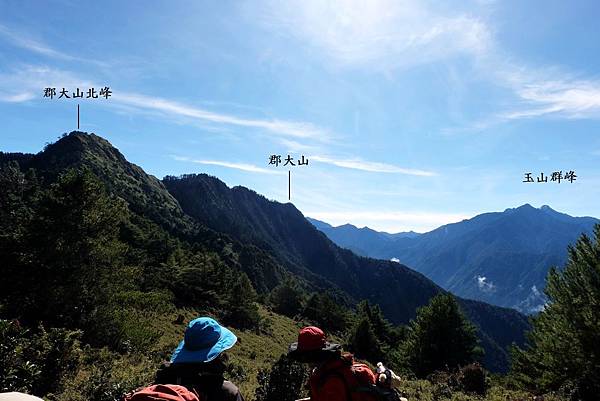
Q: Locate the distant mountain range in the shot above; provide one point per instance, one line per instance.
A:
(501, 258)
(359, 240)
(267, 240)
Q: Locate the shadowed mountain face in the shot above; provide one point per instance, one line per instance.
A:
(267, 240)
(283, 231)
(146, 197)
(500, 258)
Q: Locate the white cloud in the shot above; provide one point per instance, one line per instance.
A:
(378, 33)
(20, 84)
(389, 221)
(485, 285)
(296, 129)
(375, 167)
(534, 93)
(534, 303)
(26, 82)
(20, 40)
(563, 97)
(238, 166)
(383, 34)
(17, 97)
(395, 260)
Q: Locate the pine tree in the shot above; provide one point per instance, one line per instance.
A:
(440, 337)
(287, 298)
(364, 342)
(563, 349)
(374, 338)
(329, 315)
(16, 197)
(242, 311)
(75, 261)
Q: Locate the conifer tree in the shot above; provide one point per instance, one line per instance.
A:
(287, 298)
(74, 262)
(322, 309)
(563, 350)
(364, 342)
(440, 337)
(242, 309)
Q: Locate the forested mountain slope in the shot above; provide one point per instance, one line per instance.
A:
(501, 258)
(182, 231)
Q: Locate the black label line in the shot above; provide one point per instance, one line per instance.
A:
(77, 116)
(289, 184)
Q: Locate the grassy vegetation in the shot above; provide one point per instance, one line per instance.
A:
(255, 351)
(96, 294)
(103, 374)
(423, 390)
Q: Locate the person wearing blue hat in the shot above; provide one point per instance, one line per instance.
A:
(199, 361)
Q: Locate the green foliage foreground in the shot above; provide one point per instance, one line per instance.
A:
(563, 352)
(94, 295)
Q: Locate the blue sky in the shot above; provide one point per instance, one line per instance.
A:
(412, 114)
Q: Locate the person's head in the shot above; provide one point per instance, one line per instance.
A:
(312, 347)
(204, 342)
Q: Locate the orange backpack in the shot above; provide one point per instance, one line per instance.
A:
(163, 392)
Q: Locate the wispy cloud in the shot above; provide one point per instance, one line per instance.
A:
(377, 33)
(390, 221)
(545, 92)
(26, 82)
(23, 41)
(17, 98)
(563, 97)
(295, 129)
(374, 167)
(383, 34)
(20, 40)
(20, 84)
(238, 166)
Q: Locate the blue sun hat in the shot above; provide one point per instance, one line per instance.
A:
(204, 340)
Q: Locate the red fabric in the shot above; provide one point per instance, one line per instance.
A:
(331, 382)
(162, 392)
(311, 338)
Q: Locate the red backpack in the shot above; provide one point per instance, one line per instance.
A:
(163, 392)
(359, 382)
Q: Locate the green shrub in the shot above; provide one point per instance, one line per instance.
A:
(472, 379)
(284, 382)
(106, 376)
(35, 360)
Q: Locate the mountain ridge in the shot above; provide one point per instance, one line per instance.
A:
(276, 238)
(496, 257)
(384, 286)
